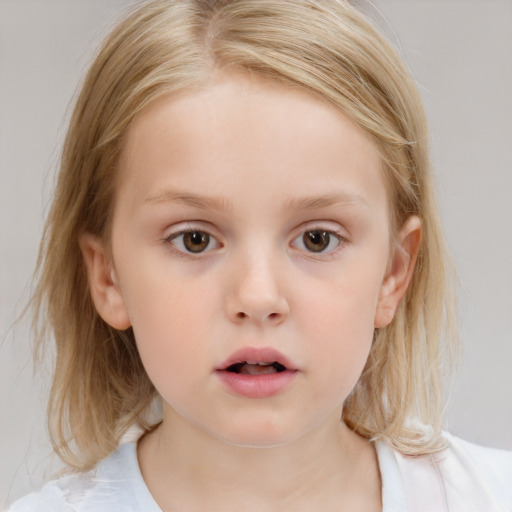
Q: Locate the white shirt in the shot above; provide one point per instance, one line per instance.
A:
(463, 478)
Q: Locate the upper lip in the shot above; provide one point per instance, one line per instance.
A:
(257, 355)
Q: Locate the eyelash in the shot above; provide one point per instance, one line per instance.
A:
(170, 241)
(340, 240)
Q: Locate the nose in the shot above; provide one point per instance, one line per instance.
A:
(256, 295)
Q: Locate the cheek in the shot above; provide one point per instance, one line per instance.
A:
(169, 319)
(341, 306)
(340, 321)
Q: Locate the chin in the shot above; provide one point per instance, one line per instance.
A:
(262, 434)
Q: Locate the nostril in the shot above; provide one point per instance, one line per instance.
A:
(271, 316)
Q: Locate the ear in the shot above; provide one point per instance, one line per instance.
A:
(400, 271)
(104, 289)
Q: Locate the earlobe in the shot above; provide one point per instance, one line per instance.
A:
(103, 286)
(400, 271)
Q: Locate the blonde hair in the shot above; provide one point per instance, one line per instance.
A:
(100, 387)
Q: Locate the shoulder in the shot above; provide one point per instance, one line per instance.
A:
(488, 459)
(115, 484)
(61, 495)
(468, 466)
(464, 477)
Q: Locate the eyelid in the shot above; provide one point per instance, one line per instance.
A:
(187, 227)
(322, 225)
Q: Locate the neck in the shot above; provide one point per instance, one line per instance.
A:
(187, 469)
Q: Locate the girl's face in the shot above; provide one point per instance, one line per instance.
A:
(251, 225)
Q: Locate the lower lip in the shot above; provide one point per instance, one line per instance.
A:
(257, 386)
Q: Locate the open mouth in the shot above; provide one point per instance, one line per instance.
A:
(259, 368)
(257, 372)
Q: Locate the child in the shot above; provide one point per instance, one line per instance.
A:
(244, 233)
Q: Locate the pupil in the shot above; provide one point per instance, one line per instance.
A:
(316, 241)
(196, 241)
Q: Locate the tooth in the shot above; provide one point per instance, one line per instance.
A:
(256, 369)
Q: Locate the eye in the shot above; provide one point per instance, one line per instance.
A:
(317, 241)
(193, 241)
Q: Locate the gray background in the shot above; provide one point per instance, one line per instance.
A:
(460, 51)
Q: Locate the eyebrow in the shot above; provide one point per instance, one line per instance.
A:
(190, 199)
(221, 203)
(324, 201)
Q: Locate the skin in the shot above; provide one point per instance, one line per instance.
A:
(256, 166)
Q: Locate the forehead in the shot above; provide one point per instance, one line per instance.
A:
(239, 134)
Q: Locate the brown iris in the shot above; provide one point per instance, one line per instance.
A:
(317, 240)
(196, 241)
